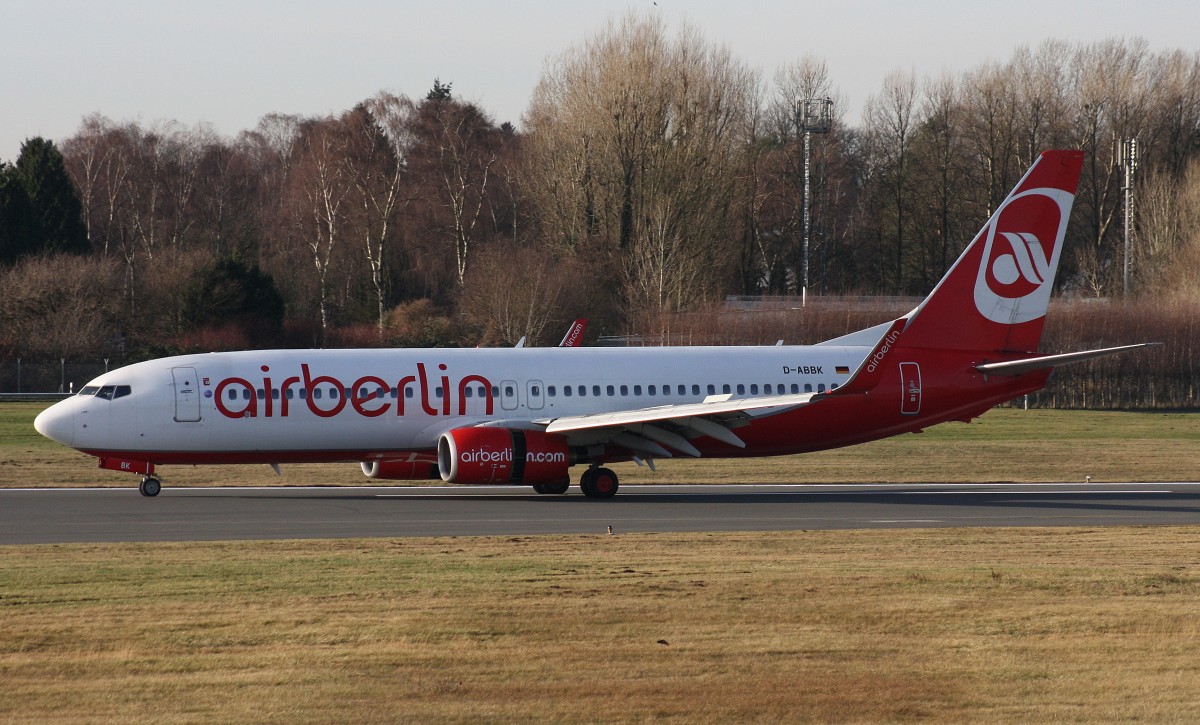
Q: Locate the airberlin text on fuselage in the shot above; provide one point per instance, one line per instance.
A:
(256, 400)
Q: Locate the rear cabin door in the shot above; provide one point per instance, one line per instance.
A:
(187, 395)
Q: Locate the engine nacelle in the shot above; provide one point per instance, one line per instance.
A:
(502, 455)
(401, 470)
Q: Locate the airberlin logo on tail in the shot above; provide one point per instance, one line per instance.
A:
(1022, 246)
(1025, 260)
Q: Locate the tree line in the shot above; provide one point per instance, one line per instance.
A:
(655, 174)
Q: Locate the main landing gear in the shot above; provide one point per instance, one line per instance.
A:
(598, 483)
(595, 483)
(150, 486)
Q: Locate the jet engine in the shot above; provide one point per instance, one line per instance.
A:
(503, 455)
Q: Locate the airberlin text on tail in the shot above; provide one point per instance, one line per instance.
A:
(994, 297)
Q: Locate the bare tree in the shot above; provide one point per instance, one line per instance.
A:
(638, 144)
(60, 306)
(382, 133)
(890, 121)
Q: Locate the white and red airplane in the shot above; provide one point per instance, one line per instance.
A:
(524, 416)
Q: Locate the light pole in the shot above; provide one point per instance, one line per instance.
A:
(1129, 163)
(813, 115)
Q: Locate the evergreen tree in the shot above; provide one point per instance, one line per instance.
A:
(15, 216)
(229, 292)
(56, 222)
(439, 92)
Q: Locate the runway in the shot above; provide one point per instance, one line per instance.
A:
(29, 516)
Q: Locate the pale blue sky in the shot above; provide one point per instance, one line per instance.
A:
(229, 63)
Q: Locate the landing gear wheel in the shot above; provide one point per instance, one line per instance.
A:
(598, 483)
(553, 488)
(150, 486)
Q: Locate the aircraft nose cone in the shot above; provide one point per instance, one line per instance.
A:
(56, 424)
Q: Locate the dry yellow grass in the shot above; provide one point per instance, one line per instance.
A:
(1019, 625)
(1004, 445)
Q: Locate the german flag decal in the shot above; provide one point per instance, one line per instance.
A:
(841, 370)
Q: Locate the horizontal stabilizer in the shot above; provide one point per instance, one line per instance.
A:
(1020, 367)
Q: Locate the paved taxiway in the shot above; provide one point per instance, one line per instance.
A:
(195, 514)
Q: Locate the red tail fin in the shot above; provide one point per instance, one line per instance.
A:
(574, 336)
(995, 296)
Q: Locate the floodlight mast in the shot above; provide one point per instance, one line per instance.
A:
(813, 115)
(1129, 162)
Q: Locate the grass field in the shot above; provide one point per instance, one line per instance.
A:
(1004, 445)
(1019, 625)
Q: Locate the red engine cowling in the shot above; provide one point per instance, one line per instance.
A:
(424, 470)
(502, 455)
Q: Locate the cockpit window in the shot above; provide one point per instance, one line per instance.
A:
(89, 390)
(112, 392)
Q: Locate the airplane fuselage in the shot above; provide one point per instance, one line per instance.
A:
(357, 405)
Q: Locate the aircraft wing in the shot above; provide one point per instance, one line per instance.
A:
(648, 430)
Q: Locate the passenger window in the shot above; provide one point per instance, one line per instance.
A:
(231, 394)
(304, 393)
(582, 390)
(726, 389)
(552, 391)
(766, 389)
(611, 391)
(534, 391)
(274, 393)
(754, 388)
(682, 390)
(712, 389)
(288, 393)
(637, 390)
(482, 392)
(596, 390)
(695, 390)
(741, 389)
(317, 393)
(261, 394)
(820, 387)
(467, 393)
(808, 387)
(795, 387)
(833, 387)
(508, 391)
(624, 390)
(566, 391)
(437, 392)
(650, 390)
